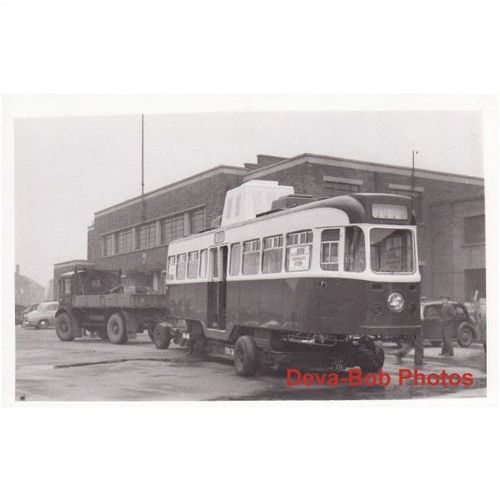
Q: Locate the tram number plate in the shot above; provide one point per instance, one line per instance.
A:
(185, 336)
(229, 351)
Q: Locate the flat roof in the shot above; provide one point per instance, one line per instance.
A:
(295, 161)
(220, 169)
(362, 165)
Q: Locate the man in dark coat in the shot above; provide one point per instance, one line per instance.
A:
(446, 320)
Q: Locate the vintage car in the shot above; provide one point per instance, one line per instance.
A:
(465, 329)
(41, 317)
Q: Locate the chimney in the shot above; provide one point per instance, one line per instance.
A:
(265, 160)
(17, 269)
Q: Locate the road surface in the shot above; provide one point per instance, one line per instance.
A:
(90, 369)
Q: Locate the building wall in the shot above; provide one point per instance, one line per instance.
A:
(452, 255)
(146, 266)
(310, 174)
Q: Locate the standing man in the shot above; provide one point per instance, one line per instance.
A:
(446, 320)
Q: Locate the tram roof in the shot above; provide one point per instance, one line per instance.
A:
(356, 206)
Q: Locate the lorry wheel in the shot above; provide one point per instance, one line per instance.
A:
(116, 330)
(373, 360)
(245, 356)
(63, 327)
(162, 336)
(465, 336)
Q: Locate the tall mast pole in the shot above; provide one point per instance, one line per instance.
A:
(142, 169)
(412, 186)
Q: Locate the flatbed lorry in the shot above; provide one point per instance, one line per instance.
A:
(96, 301)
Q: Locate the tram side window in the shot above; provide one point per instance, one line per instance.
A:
(330, 249)
(299, 251)
(272, 254)
(203, 263)
(171, 268)
(214, 259)
(192, 268)
(354, 253)
(181, 266)
(234, 268)
(251, 256)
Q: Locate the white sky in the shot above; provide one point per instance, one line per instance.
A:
(68, 168)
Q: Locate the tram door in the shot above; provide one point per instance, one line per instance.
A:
(217, 296)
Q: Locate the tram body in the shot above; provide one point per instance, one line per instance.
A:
(324, 279)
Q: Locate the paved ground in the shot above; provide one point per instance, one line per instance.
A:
(89, 369)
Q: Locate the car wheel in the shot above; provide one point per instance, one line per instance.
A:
(42, 324)
(465, 336)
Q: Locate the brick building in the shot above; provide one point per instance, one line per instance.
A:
(133, 235)
(27, 291)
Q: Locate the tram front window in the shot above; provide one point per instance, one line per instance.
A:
(354, 255)
(391, 251)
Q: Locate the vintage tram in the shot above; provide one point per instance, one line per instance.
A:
(317, 284)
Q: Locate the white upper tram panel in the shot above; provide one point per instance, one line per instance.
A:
(251, 198)
(371, 230)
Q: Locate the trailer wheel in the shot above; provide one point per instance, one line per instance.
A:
(162, 336)
(63, 327)
(245, 356)
(373, 360)
(116, 330)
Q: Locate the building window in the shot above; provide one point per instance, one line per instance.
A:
(234, 268)
(251, 256)
(272, 254)
(330, 249)
(474, 229)
(125, 240)
(192, 270)
(417, 200)
(339, 188)
(299, 251)
(197, 219)
(203, 263)
(147, 235)
(172, 228)
(166, 231)
(177, 226)
(107, 245)
(181, 267)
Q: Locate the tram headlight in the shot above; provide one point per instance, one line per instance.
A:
(396, 302)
